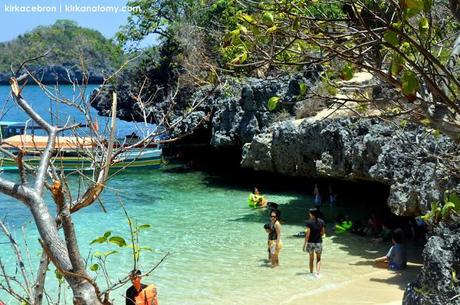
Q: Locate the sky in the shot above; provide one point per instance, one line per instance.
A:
(20, 16)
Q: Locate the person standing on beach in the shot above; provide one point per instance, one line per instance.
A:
(313, 243)
(138, 293)
(275, 237)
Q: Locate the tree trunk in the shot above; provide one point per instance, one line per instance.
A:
(83, 291)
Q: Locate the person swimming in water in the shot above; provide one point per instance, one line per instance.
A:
(256, 199)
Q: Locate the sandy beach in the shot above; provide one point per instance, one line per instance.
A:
(374, 286)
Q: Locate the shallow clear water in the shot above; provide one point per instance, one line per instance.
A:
(217, 242)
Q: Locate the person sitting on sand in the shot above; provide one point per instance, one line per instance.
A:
(257, 199)
(396, 258)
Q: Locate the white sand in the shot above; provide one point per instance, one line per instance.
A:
(375, 286)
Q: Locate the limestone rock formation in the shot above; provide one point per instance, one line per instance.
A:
(358, 149)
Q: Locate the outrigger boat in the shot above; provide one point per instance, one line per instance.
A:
(71, 152)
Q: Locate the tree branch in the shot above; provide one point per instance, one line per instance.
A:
(17, 251)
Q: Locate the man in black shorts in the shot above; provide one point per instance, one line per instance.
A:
(313, 239)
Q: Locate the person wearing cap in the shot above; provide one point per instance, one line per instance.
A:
(313, 239)
(138, 293)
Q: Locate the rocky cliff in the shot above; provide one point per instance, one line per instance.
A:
(438, 283)
(407, 159)
(358, 149)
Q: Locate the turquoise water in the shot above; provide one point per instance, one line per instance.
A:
(217, 243)
(61, 113)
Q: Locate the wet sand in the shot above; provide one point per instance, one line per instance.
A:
(373, 286)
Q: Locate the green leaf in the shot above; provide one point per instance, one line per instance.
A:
(403, 123)
(392, 38)
(94, 267)
(303, 89)
(405, 47)
(423, 25)
(146, 249)
(240, 58)
(58, 274)
(410, 12)
(455, 199)
(143, 227)
(244, 56)
(414, 4)
(296, 24)
(267, 18)
(273, 102)
(425, 122)
(397, 64)
(101, 239)
(117, 240)
(446, 208)
(272, 29)
(106, 254)
(427, 4)
(347, 72)
(247, 18)
(235, 32)
(243, 29)
(409, 83)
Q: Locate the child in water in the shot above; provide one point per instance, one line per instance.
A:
(268, 229)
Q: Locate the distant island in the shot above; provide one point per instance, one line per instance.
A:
(67, 44)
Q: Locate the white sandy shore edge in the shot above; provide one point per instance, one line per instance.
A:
(378, 287)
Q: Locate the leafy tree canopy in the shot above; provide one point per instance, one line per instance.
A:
(67, 42)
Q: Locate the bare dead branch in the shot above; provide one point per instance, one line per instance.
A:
(18, 253)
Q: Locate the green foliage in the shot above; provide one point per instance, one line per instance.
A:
(101, 239)
(94, 267)
(442, 212)
(347, 72)
(409, 83)
(303, 89)
(391, 37)
(273, 102)
(117, 240)
(59, 276)
(67, 42)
